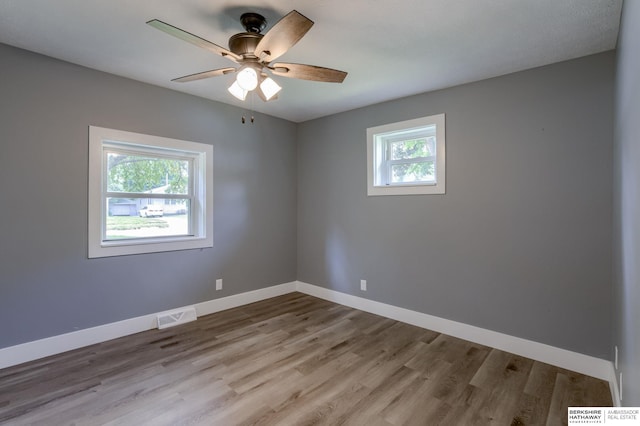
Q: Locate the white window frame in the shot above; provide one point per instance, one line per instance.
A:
(379, 163)
(200, 194)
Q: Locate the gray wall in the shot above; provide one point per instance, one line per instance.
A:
(521, 241)
(47, 284)
(627, 204)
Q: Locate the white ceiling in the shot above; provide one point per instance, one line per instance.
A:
(390, 49)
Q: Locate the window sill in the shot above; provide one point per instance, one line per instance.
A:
(406, 189)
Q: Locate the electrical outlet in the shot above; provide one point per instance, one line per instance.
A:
(363, 285)
(219, 284)
(615, 359)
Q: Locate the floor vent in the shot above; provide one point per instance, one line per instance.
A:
(180, 316)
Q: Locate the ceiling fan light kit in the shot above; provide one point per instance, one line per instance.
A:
(254, 53)
(245, 82)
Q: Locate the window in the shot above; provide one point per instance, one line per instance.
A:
(148, 194)
(407, 157)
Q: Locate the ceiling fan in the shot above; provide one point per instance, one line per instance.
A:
(254, 54)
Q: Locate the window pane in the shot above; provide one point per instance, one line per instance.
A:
(413, 172)
(137, 173)
(133, 218)
(413, 148)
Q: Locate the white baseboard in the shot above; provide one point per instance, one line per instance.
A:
(25, 352)
(224, 303)
(614, 386)
(18, 354)
(562, 358)
(569, 360)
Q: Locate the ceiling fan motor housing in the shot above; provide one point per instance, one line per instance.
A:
(244, 44)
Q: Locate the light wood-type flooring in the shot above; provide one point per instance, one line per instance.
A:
(292, 360)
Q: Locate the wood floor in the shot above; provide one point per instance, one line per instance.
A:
(292, 360)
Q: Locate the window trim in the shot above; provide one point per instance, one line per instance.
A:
(377, 138)
(202, 207)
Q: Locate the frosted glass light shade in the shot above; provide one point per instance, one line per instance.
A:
(238, 91)
(247, 78)
(269, 88)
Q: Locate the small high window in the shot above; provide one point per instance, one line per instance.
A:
(407, 157)
(148, 194)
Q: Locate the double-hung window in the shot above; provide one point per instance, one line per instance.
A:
(148, 194)
(407, 157)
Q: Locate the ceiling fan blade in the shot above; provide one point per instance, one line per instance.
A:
(205, 74)
(308, 72)
(282, 36)
(193, 39)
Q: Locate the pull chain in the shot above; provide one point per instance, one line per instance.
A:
(250, 110)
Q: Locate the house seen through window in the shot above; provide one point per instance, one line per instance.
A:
(147, 196)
